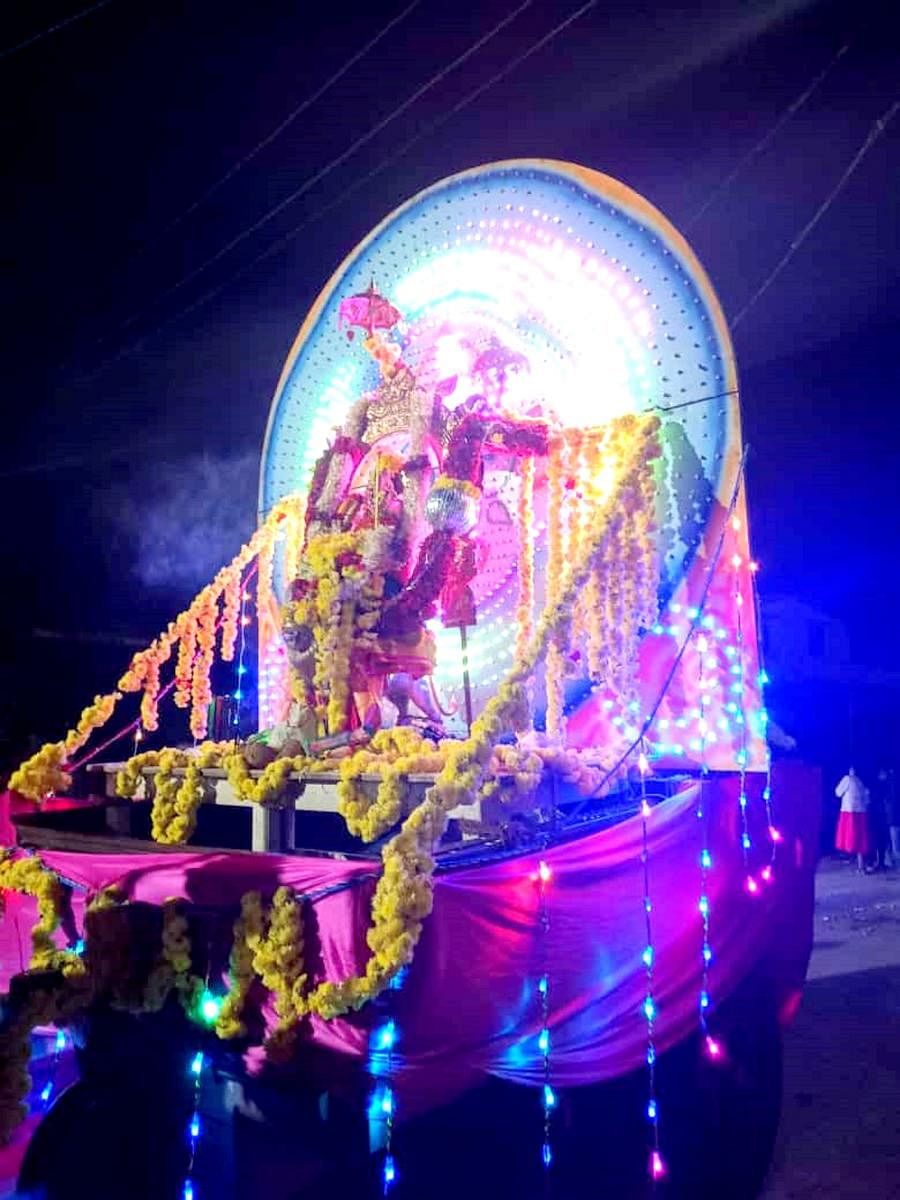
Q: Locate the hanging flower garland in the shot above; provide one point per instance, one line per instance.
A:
(201, 686)
(525, 606)
(247, 931)
(45, 772)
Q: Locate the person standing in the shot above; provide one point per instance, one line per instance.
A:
(887, 786)
(853, 836)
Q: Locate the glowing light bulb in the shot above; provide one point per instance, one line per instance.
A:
(766, 874)
(197, 1063)
(707, 954)
(138, 735)
(546, 1154)
(390, 1170)
(387, 1036)
(544, 1041)
(543, 985)
(195, 1126)
(46, 1091)
(704, 1000)
(702, 644)
(544, 872)
(187, 1192)
(652, 1111)
(745, 840)
(549, 1097)
(705, 859)
(79, 946)
(210, 1007)
(649, 1008)
(751, 885)
(647, 956)
(704, 906)
(645, 808)
(713, 1048)
(735, 523)
(657, 1166)
(60, 1040)
(775, 834)
(643, 764)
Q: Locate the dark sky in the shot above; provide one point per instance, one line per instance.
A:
(127, 418)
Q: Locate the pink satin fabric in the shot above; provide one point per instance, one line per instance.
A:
(470, 1003)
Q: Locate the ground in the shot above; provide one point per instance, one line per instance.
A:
(840, 1132)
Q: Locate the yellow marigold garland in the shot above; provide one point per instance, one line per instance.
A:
(247, 931)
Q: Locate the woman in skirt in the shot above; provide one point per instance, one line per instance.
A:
(853, 835)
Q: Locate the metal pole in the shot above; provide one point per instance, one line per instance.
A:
(467, 683)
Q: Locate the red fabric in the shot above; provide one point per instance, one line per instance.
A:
(853, 835)
(470, 1004)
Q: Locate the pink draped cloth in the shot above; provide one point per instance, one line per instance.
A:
(470, 1003)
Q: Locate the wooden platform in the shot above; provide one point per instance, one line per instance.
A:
(273, 826)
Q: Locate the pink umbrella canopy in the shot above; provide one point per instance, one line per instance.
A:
(369, 310)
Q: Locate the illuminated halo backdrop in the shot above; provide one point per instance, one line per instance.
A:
(579, 279)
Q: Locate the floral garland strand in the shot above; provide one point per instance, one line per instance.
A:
(555, 663)
(525, 606)
(45, 772)
(248, 929)
(201, 686)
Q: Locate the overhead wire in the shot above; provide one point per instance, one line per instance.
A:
(282, 125)
(353, 187)
(768, 137)
(323, 172)
(51, 29)
(872, 137)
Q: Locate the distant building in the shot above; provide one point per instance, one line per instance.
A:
(839, 710)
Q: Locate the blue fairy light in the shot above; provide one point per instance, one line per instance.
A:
(647, 956)
(546, 1154)
(705, 859)
(649, 1008)
(195, 1126)
(386, 1037)
(389, 1171)
(197, 1063)
(549, 1097)
(652, 1110)
(544, 1041)
(60, 1040)
(47, 1091)
(703, 906)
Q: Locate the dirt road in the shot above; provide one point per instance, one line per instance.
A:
(840, 1134)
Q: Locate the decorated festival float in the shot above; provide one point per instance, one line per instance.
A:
(502, 891)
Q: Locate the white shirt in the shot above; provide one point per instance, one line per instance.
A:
(853, 793)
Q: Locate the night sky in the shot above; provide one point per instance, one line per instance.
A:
(135, 403)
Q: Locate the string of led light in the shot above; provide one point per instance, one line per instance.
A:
(738, 688)
(240, 670)
(59, 1046)
(548, 1095)
(704, 1002)
(198, 1062)
(657, 1165)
